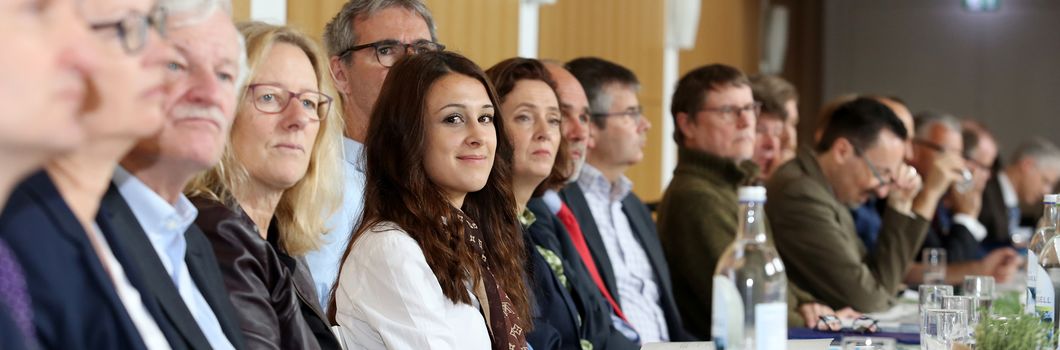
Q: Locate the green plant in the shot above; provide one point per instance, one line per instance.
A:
(1007, 305)
(1012, 332)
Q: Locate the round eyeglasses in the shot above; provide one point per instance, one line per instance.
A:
(133, 28)
(272, 99)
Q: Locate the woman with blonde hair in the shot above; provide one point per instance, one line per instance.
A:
(263, 207)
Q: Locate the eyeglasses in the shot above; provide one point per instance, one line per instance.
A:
(863, 324)
(634, 113)
(872, 168)
(966, 175)
(132, 29)
(730, 113)
(389, 51)
(272, 99)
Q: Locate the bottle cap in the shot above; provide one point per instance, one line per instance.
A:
(751, 194)
(1051, 198)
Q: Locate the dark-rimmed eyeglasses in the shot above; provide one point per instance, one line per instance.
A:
(132, 29)
(730, 113)
(272, 99)
(831, 323)
(389, 51)
(634, 113)
(872, 169)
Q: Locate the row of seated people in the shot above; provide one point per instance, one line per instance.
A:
(179, 199)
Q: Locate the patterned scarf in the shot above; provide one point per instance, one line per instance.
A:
(505, 333)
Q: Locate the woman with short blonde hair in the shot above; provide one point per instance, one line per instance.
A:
(264, 205)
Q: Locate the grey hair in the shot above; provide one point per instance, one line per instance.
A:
(339, 35)
(184, 13)
(1043, 152)
(923, 121)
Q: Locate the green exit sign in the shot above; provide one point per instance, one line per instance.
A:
(981, 5)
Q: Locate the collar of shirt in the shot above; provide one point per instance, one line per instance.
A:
(163, 222)
(593, 182)
(527, 218)
(1008, 192)
(353, 152)
(552, 201)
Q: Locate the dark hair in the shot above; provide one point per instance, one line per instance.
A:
(504, 76)
(773, 92)
(398, 189)
(860, 122)
(595, 74)
(693, 88)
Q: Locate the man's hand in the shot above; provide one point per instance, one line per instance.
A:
(1001, 263)
(968, 203)
(941, 174)
(907, 183)
(811, 312)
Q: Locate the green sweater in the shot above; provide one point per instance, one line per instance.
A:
(697, 220)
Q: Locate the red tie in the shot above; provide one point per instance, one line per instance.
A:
(576, 235)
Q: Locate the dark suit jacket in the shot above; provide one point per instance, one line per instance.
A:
(583, 298)
(958, 241)
(75, 305)
(644, 229)
(994, 215)
(159, 290)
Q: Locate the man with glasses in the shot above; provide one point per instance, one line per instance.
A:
(617, 226)
(715, 114)
(955, 227)
(363, 41)
(859, 155)
(152, 220)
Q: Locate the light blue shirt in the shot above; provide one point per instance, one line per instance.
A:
(638, 293)
(324, 263)
(165, 225)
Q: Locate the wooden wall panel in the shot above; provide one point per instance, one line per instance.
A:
(311, 16)
(487, 31)
(240, 10)
(630, 33)
(728, 33)
(484, 30)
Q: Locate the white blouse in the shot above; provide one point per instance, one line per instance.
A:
(387, 297)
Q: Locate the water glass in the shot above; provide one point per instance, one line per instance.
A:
(931, 295)
(978, 286)
(970, 307)
(942, 329)
(867, 343)
(934, 260)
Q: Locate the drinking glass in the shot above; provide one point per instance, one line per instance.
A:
(970, 307)
(942, 329)
(934, 260)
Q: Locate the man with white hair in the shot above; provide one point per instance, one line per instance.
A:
(152, 219)
(1032, 172)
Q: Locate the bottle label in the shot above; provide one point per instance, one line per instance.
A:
(771, 326)
(1044, 303)
(726, 323)
(1029, 304)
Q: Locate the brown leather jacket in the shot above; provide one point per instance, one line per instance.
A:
(259, 280)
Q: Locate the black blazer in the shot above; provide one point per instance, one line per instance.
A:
(994, 215)
(643, 226)
(585, 300)
(158, 289)
(75, 305)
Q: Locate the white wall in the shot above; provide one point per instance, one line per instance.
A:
(1002, 68)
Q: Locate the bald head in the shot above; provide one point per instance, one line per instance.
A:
(574, 106)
